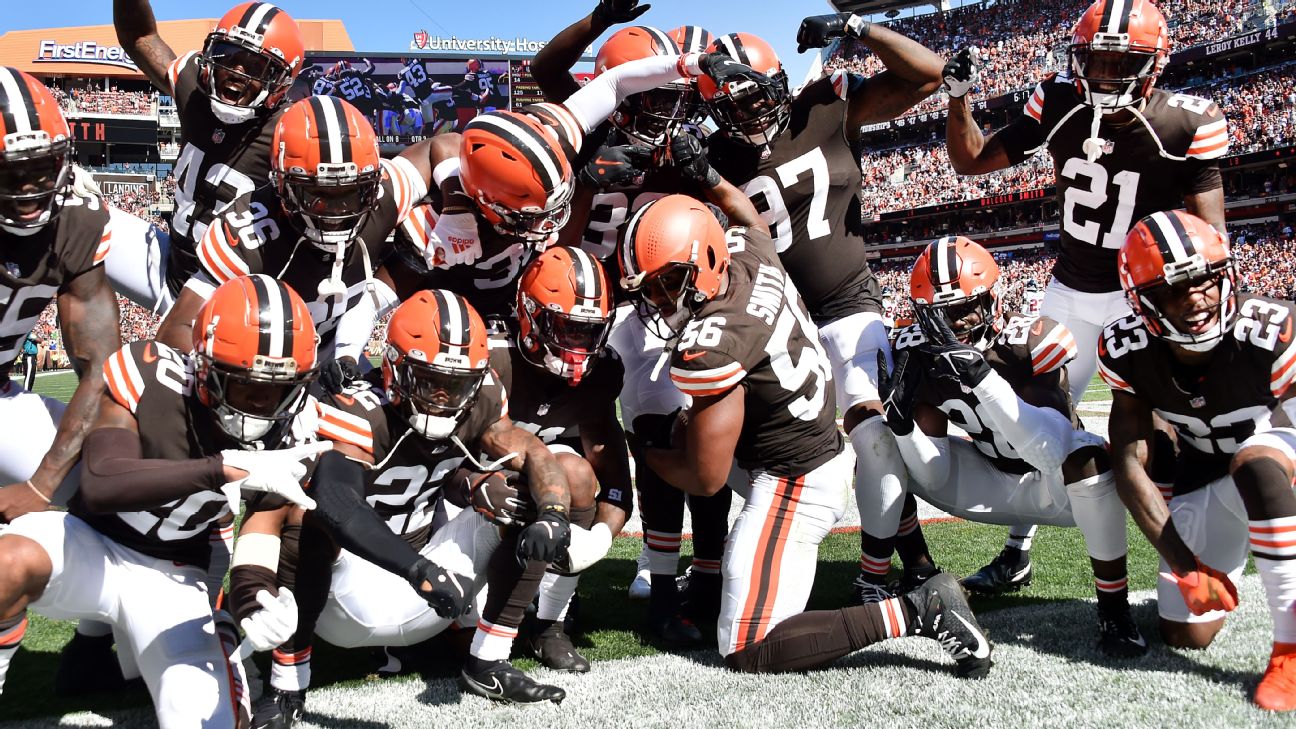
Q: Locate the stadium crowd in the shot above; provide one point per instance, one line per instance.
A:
(112, 101)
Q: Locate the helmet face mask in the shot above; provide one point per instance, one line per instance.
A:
(331, 213)
(31, 185)
(667, 297)
(564, 312)
(957, 280)
(972, 319)
(651, 117)
(1113, 79)
(249, 61)
(251, 404)
(567, 345)
(748, 113)
(534, 227)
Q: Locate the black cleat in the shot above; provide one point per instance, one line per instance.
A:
(912, 579)
(944, 616)
(554, 649)
(279, 709)
(88, 665)
(864, 590)
(1118, 634)
(502, 681)
(672, 632)
(701, 598)
(1010, 571)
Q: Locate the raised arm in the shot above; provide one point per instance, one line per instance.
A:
(138, 34)
(913, 72)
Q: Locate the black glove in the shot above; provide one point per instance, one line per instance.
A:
(817, 31)
(730, 75)
(952, 359)
(448, 593)
(617, 166)
(611, 12)
(339, 374)
(687, 155)
(546, 539)
(898, 390)
(495, 496)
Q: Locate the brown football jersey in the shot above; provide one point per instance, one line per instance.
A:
(38, 266)
(1149, 163)
(1216, 406)
(404, 485)
(547, 405)
(255, 235)
(756, 333)
(807, 191)
(218, 163)
(1025, 348)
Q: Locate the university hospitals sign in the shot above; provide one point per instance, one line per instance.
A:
(422, 41)
(83, 52)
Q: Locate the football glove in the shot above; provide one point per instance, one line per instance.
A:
(83, 183)
(455, 241)
(611, 12)
(617, 166)
(448, 593)
(339, 374)
(276, 621)
(688, 157)
(817, 31)
(962, 72)
(951, 359)
(278, 472)
(1205, 589)
(494, 495)
(546, 538)
(657, 431)
(898, 390)
(730, 76)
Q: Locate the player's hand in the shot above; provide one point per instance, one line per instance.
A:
(898, 390)
(339, 374)
(731, 77)
(962, 72)
(658, 431)
(83, 183)
(617, 166)
(19, 498)
(1205, 589)
(687, 155)
(817, 31)
(952, 359)
(611, 12)
(276, 621)
(495, 496)
(278, 472)
(455, 241)
(587, 547)
(546, 538)
(448, 593)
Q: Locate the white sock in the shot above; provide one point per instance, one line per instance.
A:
(492, 642)
(1277, 538)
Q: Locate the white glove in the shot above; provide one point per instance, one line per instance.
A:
(588, 546)
(278, 472)
(454, 241)
(83, 183)
(962, 72)
(276, 621)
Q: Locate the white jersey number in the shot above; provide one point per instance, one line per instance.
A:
(1094, 198)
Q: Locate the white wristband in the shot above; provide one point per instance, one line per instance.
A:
(444, 170)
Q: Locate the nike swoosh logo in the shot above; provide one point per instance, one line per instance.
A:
(690, 356)
(983, 648)
(1286, 334)
(150, 357)
(607, 162)
(494, 689)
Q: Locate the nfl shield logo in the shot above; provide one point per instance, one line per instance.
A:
(542, 410)
(12, 269)
(218, 136)
(421, 39)
(1198, 402)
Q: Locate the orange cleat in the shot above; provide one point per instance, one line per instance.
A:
(1277, 690)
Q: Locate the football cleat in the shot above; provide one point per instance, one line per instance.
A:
(641, 586)
(865, 591)
(1277, 689)
(1010, 571)
(1118, 634)
(672, 632)
(279, 709)
(88, 665)
(912, 579)
(502, 681)
(554, 649)
(942, 614)
(701, 597)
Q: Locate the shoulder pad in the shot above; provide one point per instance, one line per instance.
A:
(705, 372)
(350, 417)
(129, 371)
(1051, 345)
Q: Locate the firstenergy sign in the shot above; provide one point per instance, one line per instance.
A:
(84, 52)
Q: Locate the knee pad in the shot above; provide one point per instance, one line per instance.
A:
(880, 477)
(1100, 516)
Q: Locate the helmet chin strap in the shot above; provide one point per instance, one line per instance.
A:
(1093, 146)
(230, 114)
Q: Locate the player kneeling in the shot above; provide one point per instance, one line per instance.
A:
(1217, 366)
(1000, 377)
(176, 438)
(749, 356)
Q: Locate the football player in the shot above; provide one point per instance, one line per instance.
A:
(1032, 301)
(229, 96)
(472, 94)
(746, 351)
(1000, 377)
(175, 440)
(1217, 366)
(399, 447)
(1122, 149)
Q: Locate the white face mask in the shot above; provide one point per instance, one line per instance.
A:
(241, 427)
(230, 114)
(433, 427)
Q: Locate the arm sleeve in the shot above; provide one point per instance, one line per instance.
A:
(599, 98)
(342, 512)
(1041, 436)
(927, 459)
(357, 324)
(115, 476)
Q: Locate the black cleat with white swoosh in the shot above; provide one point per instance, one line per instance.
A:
(944, 616)
(501, 681)
(1010, 571)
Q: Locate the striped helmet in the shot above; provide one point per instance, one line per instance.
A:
(652, 116)
(254, 357)
(436, 359)
(515, 169)
(250, 59)
(324, 159)
(564, 312)
(746, 113)
(35, 152)
(1118, 49)
(692, 38)
(1177, 250)
(955, 277)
